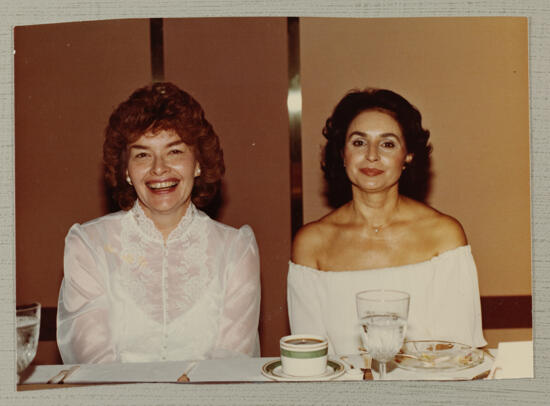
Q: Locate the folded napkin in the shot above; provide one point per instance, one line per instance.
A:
(230, 370)
(130, 372)
(112, 372)
(514, 360)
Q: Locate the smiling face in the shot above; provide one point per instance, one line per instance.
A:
(374, 151)
(162, 169)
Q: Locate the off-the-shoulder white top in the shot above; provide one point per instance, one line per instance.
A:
(129, 296)
(444, 302)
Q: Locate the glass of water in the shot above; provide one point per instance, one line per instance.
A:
(28, 328)
(383, 318)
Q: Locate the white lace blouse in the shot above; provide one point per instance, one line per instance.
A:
(127, 296)
(444, 304)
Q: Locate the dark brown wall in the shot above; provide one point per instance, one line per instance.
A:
(237, 69)
(69, 77)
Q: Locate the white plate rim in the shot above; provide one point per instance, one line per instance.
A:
(266, 368)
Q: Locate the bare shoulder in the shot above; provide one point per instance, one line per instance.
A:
(445, 232)
(450, 233)
(310, 241)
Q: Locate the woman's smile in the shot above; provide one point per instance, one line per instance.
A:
(163, 186)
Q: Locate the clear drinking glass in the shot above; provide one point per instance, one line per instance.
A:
(383, 317)
(28, 328)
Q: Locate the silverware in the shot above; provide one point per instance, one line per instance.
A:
(367, 360)
(482, 375)
(184, 377)
(486, 351)
(351, 368)
(367, 374)
(344, 359)
(63, 374)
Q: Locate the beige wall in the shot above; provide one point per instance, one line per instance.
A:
(468, 78)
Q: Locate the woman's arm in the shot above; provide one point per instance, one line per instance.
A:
(83, 331)
(304, 305)
(241, 308)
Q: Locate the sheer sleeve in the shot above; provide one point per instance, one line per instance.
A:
(83, 331)
(241, 308)
(304, 306)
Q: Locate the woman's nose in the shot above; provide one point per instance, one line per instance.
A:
(159, 166)
(372, 154)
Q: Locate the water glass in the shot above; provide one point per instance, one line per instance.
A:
(28, 328)
(383, 318)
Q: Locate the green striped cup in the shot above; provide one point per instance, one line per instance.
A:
(304, 355)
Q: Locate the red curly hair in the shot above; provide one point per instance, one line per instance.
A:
(154, 108)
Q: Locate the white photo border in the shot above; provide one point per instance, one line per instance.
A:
(532, 391)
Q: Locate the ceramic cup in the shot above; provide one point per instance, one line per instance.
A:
(304, 355)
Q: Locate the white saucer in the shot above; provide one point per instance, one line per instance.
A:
(274, 370)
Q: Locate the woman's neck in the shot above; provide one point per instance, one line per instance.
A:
(377, 210)
(165, 222)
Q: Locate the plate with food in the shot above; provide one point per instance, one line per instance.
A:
(429, 355)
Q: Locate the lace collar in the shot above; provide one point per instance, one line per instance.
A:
(146, 225)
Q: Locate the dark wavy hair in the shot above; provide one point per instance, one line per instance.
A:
(154, 108)
(414, 181)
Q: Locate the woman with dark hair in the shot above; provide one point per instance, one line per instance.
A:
(381, 235)
(159, 280)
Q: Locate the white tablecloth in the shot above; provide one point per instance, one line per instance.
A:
(219, 370)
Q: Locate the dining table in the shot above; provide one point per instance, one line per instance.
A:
(348, 367)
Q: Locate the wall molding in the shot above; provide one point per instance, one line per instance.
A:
(294, 105)
(156, 29)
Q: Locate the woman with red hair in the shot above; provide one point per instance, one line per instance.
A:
(159, 280)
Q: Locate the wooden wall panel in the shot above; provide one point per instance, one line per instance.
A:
(68, 79)
(237, 70)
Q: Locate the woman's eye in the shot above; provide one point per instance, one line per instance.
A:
(176, 151)
(357, 142)
(140, 155)
(388, 144)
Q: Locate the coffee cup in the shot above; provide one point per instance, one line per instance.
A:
(304, 355)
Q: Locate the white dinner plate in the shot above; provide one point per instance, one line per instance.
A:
(274, 370)
(428, 355)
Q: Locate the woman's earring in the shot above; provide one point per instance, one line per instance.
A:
(198, 172)
(129, 180)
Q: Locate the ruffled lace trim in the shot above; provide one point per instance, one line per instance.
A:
(147, 226)
(150, 270)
